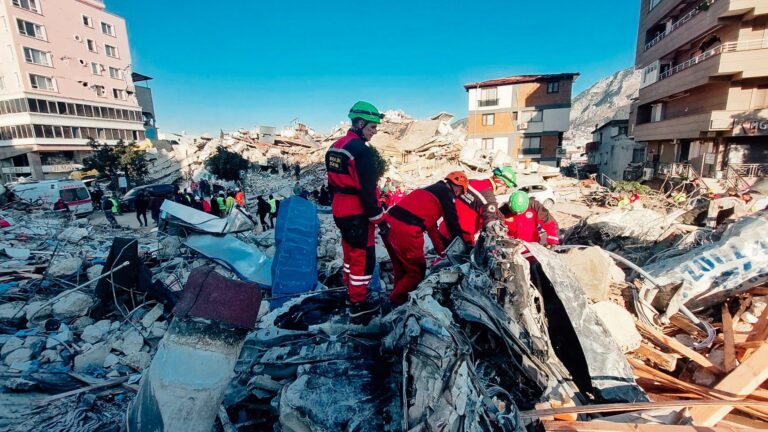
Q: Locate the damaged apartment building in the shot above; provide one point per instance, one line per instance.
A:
(67, 79)
(703, 102)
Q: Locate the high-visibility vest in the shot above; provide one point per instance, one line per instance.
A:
(272, 205)
(221, 203)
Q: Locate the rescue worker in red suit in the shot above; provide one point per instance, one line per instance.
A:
(524, 215)
(418, 212)
(353, 178)
(478, 207)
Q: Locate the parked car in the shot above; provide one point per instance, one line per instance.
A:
(128, 201)
(47, 192)
(541, 192)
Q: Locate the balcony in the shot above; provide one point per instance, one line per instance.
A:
(751, 7)
(685, 19)
(530, 151)
(487, 102)
(743, 58)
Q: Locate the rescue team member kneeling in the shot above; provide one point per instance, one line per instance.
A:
(418, 212)
(352, 175)
(523, 216)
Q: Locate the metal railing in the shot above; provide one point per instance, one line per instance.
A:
(607, 181)
(720, 49)
(676, 169)
(749, 170)
(702, 7)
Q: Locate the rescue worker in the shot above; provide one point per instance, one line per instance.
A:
(214, 205)
(418, 212)
(353, 179)
(262, 209)
(478, 207)
(61, 206)
(240, 197)
(205, 205)
(111, 207)
(272, 210)
(230, 202)
(221, 204)
(524, 215)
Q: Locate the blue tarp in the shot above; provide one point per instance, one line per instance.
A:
(294, 266)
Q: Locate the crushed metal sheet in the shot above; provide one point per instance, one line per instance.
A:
(245, 260)
(237, 220)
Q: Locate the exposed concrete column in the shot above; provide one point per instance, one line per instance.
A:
(36, 165)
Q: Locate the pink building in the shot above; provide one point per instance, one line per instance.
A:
(65, 77)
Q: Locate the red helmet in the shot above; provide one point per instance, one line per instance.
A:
(458, 178)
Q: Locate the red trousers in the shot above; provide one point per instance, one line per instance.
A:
(405, 245)
(357, 243)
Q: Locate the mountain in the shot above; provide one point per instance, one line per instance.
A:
(608, 99)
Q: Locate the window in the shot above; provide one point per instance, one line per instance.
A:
(87, 21)
(31, 29)
(107, 29)
(40, 82)
(110, 51)
(638, 155)
(115, 73)
(489, 119)
(488, 97)
(653, 4)
(531, 145)
(657, 112)
(91, 45)
(30, 5)
(38, 57)
(531, 116)
(2, 83)
(553, 87)
(623, 130)
(487, 144)
(117, 94)
(96, 68)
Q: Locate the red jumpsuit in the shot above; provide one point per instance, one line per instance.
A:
(525, 226)
(475, 208)
(352, 177)
(416, 213)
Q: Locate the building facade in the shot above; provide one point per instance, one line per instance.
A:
(65, 77)
(703, 103)
(523, 116)
(612, 151)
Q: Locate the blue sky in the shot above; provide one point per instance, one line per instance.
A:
(242, 63)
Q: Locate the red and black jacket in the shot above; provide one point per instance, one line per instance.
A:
(351, 167)
(424, 208)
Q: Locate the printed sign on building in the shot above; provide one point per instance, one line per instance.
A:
(751, 127)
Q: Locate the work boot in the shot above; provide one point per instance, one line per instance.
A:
(363, 312)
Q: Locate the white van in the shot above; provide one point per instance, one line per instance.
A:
(73, 192)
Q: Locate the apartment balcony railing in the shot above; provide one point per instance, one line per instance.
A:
(530, 151)
(716, 51)
(750, 170)
(487, 102)
(704, 6)
(676, 169)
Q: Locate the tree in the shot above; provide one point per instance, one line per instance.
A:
(118, 159)
(226, 164)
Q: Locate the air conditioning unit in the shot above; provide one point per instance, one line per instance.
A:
(647, 174)
(522, 126)
(78, 38)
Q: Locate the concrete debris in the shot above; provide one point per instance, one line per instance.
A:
(92, 358)
(63, 268)
(620, 324)
(594, 269)
(73, 305)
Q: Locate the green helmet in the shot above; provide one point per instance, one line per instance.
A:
(518, 202)
(507, 175)
(365, 111)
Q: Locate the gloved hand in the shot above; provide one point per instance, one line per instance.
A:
(384, 229)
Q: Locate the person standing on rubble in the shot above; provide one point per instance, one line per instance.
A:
(221, 204)
(415, 214)
(353, 174)
(297, 171)
(272, 210)
(478, 207)
(297, 189)
(524, 215)
(262, 209)
(142, 204)
(240, 197)
(231, 201)
(214, 204)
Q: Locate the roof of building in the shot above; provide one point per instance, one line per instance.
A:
(613, 122)
(522, 79)
(137, 77)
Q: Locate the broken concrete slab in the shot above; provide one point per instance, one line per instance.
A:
(18, 355)
(12, 311)
(93, 358)
(17, 253)
(73, 305)
(619, 323)
(130, 343)
(11, 345)
(150, 317)
(64, 267)
(591, 266)
(92, 334)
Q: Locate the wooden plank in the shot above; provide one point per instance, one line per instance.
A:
(740, 383)
(596, 426)
(637, 406)
(685, 325)
(665, 361)
(734, 420)
(760, 331)
(729, 346)
(745, 303)
(678, 347)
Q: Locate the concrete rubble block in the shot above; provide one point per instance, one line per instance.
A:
(138, 361)
(92, 334)
(620, 325)
(73, 305)
(35, 343)
(73, 234)
(49, 356)
(130, 343)
(94, 357)
(18, 356)
(104, 325)
(81, 323)
(592, 267)
(62, 336)
(152, 316)
(111, 360)
(11, 345)
(93, 272)
(12, 311)
(169, 247)
(33, 309)
(17, 253)
(158, 329)
(64, 267)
